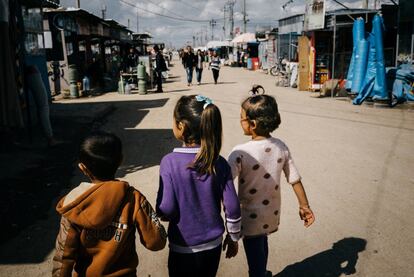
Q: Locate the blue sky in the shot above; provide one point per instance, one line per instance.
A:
(179, 32)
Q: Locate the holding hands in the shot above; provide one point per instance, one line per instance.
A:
(232, 247)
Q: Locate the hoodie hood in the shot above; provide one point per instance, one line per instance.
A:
(97, 207)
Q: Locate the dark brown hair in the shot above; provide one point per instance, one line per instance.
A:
(263, 109)
(203, 126)
(101, 153)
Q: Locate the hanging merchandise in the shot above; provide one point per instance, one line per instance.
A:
(369, 79)
(360, 64)
(358, 31)
(380, 87)
(367, 88)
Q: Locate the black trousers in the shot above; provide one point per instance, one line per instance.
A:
(215, 74)
(200, 264)
(158, 80)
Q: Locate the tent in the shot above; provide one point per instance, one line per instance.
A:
(244, 38)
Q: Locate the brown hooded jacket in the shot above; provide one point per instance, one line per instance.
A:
(97, 230)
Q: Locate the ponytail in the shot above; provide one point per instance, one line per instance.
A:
(210, 139)
(203, 126)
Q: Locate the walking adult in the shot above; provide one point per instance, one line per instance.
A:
(160, 67)
(199, 65)
(132, 60)
(215, 66)
(189, 63)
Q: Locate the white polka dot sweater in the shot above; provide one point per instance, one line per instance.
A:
(258, 166)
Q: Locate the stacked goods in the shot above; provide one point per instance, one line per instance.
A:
(401, 82)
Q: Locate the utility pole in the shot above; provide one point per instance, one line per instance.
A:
(228, 24)
(103, 11)
(128, 23)
(213, 23)
(231, 18)
(78, 4)
(224, 20)
(137, 22)
(244, 16)
(365, 4)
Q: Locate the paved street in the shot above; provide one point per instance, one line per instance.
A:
(356, 163)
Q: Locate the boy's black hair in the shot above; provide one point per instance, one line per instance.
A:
(263, 109)
(101, 153)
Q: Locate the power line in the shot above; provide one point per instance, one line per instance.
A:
(159, 6)
(188, 5)
(164, 15)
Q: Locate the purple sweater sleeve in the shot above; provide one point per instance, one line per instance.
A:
(166, 206)
(231, 208)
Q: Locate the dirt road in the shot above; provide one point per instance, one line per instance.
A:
(356, 163)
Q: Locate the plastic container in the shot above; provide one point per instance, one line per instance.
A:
(249, 64)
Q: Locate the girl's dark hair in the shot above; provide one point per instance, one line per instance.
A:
(101, 153)
(263, 109)
(202, 126)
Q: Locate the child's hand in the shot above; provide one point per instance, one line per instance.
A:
(232, 247)
(306, 215)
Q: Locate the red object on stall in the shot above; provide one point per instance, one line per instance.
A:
(255, 63)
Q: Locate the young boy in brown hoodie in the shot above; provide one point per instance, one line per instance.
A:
(99, 219)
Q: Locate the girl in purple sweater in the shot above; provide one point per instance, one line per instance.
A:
(194, 183)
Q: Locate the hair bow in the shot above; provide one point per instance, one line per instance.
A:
(202, 98)
(257, 90)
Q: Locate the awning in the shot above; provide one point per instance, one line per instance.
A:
(244, 38)
(216, 44)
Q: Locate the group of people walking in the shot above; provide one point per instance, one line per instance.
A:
(198, 62)
(100, 217)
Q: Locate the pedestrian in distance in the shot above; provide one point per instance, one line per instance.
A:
(258, 164)
(100, 217)
(132, 60)
(199, 66)
(194, 183)
(189, 62)
(160, 67)
(215, 66)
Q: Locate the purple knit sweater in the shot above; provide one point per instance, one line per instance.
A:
(192, 203)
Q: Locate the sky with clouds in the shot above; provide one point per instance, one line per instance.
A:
(176, 33)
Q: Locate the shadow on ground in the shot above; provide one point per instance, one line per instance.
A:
(340, 259)
(28, 196)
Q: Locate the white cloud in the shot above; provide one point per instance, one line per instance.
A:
(260, 12)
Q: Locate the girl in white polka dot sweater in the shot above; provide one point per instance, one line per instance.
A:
(258, 164)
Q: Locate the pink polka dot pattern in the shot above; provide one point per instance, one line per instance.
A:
(238, 160)
(276, 187)
(253, 191)
(267, 150)
(266, 176)
(279, 160)
(265, 226)
(265, 202)
(253, 216)
(256, 167)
